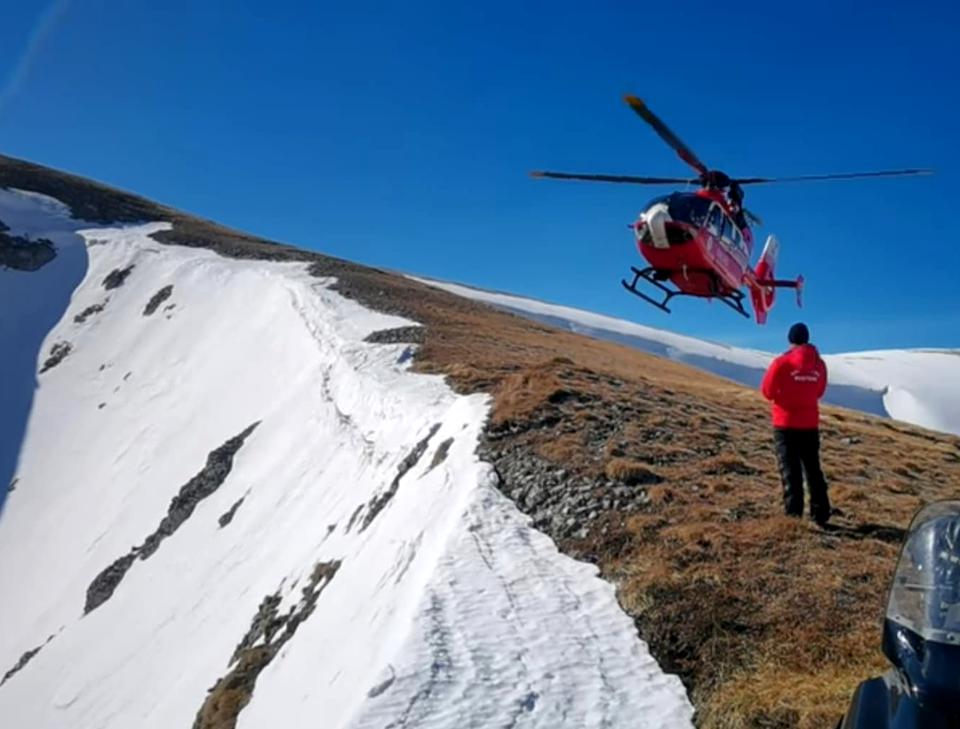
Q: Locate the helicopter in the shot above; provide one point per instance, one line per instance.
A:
(699, 243)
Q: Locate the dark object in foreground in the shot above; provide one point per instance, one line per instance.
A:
(921, 633)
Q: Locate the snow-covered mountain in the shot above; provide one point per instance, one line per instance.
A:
(919, 386)
(230, 504)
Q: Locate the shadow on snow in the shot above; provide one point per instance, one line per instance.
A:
(31, 305)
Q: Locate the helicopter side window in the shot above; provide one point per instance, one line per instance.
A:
(715, 222)
(737, 237)
(727, 228)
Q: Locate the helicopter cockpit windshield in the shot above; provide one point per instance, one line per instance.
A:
(685, 207)
(925, 596)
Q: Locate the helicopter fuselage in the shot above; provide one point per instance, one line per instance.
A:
(692, 240)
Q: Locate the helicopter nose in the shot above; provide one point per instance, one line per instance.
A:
(657, 218)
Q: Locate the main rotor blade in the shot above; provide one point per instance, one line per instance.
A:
(753, 217)
(614, 178)
(666, 134)
(840, 176)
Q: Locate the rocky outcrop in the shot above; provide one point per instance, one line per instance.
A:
(104, 584)
(207, 481)
(117, 277)
(561, 504)
(157, 299)
(24, 660)
(210, 478)
(23, 254)
(399, 335)
(89, 311)
(377, 503)
(58, 353)
(268, 633)
(227, 517)
(441, 455)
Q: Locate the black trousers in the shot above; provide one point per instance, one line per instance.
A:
(798, 453)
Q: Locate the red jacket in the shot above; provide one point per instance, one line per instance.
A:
(794, 383)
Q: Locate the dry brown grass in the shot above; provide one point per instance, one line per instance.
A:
(630, 472)
(234, 691)
(740, 603)
(565, 448)
(518, 395)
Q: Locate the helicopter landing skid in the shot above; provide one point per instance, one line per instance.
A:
(656, 277)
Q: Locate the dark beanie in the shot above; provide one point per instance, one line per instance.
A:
(799, 334)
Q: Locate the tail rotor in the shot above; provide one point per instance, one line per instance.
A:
(763, 283)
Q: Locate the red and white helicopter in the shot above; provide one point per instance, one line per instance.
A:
(701, 241)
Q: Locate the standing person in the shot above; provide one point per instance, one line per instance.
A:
(794, 384)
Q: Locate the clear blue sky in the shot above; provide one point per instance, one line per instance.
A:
(401, 134)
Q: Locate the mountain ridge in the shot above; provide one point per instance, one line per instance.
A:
(891, 382)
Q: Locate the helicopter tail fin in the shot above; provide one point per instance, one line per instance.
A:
(762, 295)
(764, 285)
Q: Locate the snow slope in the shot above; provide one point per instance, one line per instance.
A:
(238, 448)
(30, 306)
(916, 386)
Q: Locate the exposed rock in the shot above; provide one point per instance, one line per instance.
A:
(399, 335)
(157, 299)
(13, 485)
(354, 517)
(89, 311)
(117, 277)
(104, 584)
(228, 517)
(210, 478)
(207, 481)
(441, 455)
(264, 625)
(377, 503)
(23, 254)
(24, 660)
(58, 353)
(561, 504)
(267, 635)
